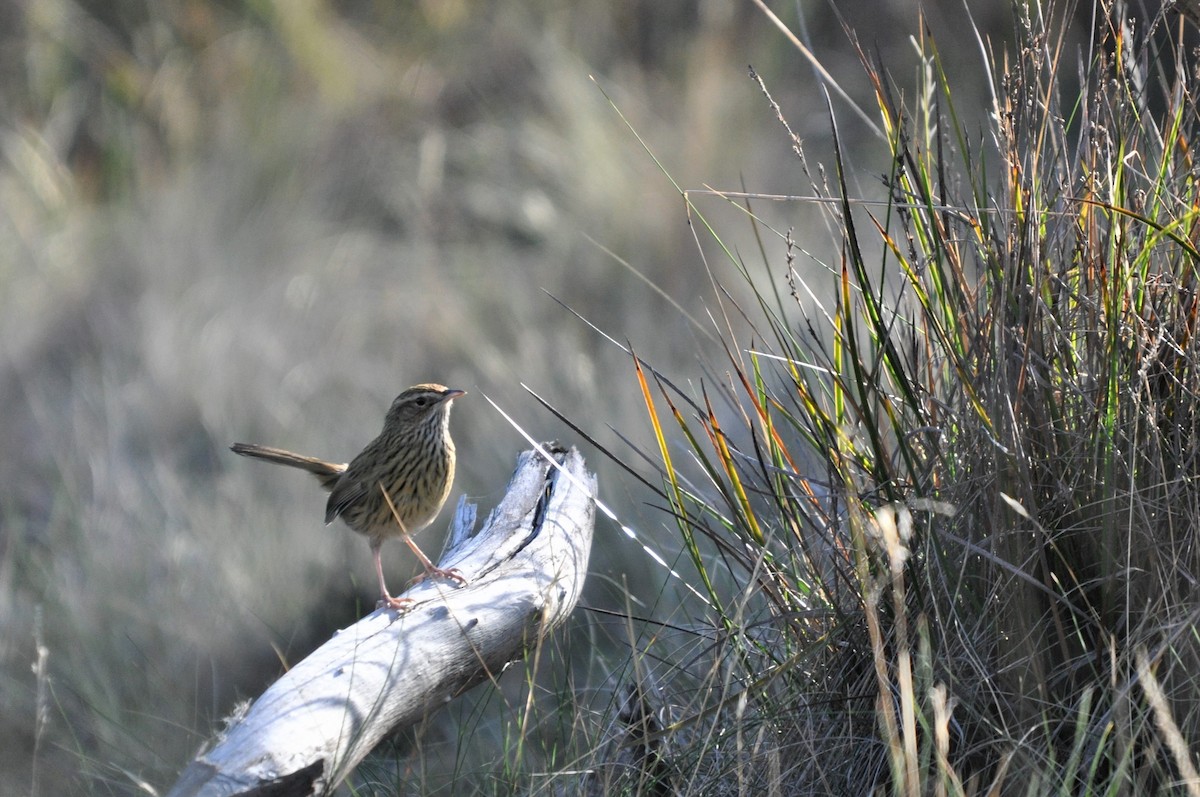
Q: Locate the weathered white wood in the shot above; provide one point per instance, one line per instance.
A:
(525, 570)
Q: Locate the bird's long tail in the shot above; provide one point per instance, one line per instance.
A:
(326, 472)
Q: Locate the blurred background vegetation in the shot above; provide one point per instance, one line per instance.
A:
(260, 220)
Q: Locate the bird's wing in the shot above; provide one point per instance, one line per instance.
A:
(344, 493)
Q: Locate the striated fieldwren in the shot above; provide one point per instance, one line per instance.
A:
(397, 485)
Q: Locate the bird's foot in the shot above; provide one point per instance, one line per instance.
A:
(448, 573)
(401, 605)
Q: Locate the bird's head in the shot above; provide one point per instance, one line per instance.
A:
(420, 403)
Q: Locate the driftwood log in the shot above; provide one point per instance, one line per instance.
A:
(525, 569)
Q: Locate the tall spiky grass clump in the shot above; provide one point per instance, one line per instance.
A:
(943, 516)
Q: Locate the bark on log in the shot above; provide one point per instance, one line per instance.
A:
(525, 569)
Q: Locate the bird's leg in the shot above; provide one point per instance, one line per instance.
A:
(431, 570)
(399, 604)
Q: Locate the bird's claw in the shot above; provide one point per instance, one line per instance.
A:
(401, 605)
(448, 573)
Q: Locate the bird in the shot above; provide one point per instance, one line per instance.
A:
(396, 485)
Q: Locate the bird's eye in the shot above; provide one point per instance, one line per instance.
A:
(422, 401)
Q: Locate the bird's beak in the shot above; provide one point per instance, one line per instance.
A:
(453, 394)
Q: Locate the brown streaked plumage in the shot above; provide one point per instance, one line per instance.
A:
(399, 482)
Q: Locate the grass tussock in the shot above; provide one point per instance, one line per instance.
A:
(941, 509)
